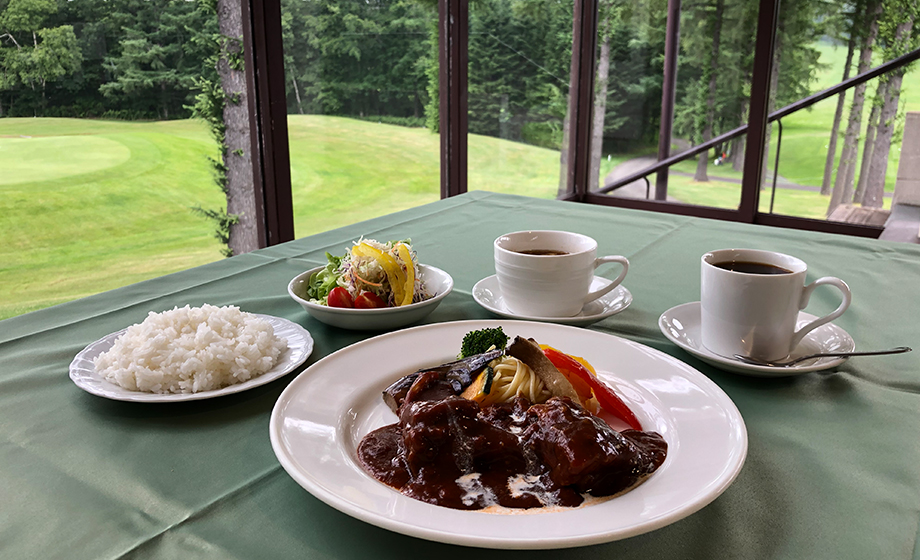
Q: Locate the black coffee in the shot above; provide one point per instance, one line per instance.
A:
(542, 252)
(752, 267)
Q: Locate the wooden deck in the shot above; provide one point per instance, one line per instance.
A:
(852, 214)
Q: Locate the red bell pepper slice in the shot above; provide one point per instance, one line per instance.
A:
(608, 400)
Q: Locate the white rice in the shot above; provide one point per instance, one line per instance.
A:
(191, 349)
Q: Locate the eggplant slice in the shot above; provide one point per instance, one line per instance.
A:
(460, 374)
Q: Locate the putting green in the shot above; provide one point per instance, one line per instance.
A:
(25, 159)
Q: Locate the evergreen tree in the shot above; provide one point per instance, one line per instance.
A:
(896, 30)
(843, 183)
(714, 72)
(845, 27)
(158, 61)
(358, 58)
(32, 52)
(869, 142)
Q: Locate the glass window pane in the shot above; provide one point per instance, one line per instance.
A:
(839, 159)
(711, 96)
(520, 55)
(362, 97)
(101, 163)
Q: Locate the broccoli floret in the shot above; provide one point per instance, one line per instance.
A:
(479, 342)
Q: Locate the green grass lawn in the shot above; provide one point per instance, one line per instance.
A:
(87, 206)
(345, 170)
(806, 133)
(723, 194)
(112, 206)
(803, 149)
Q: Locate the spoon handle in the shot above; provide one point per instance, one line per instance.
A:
(898, 350)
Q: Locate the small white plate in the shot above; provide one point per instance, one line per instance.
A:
(320, 418)
(681, 325)
(83, 372)
(488, 294)
(437, 282)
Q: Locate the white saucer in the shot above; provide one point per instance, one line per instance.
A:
(681, 325)
(488, 294)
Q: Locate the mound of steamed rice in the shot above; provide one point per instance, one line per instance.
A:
(191, 349)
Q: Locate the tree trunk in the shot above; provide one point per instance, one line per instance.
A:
(737, 149)
(869, 144)
(566, 124)
(600, 107)
(564, 153)
(504, 117)
(703, 161)
(875, 186)
(241, 199)
(164, 103)
(846, 167)
(878, 166)
(771, 104)
(297, 94)
(838, 114)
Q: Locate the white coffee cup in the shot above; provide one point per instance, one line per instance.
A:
(753, 313)
(555, 282)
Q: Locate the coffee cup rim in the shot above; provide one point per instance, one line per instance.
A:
(795, 265)
(592, 243)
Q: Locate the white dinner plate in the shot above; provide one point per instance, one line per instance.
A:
(320, 418)
(681, 324)
(488, 294)
(83, 372)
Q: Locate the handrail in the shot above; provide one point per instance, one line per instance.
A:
(779, 144)
(775, 115)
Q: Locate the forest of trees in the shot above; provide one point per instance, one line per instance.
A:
(875, 29)
(377, 59)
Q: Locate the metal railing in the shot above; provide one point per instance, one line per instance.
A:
(775, 116)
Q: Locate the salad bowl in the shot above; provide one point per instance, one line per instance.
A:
(438, 283)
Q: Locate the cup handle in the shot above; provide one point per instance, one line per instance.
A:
(806, 295)
(601, 260)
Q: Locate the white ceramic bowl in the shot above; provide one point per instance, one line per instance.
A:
(436, 281)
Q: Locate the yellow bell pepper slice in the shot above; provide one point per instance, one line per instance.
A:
(409, 288)
(395, 275)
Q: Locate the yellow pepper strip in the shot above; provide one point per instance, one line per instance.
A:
(395, 276)
(406, 256)
(578, 359)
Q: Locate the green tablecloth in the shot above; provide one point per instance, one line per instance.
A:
(833, 468)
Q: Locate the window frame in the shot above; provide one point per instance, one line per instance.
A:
(264, 59)
(272, 175)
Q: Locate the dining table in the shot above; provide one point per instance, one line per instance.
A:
(831, 469)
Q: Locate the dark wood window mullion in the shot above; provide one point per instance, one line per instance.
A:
(581, 96)
(254, 144)
(756, 141)
(265, 64)
(453, 48)
(668, 95)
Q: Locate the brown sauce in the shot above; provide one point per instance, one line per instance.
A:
(449, 451)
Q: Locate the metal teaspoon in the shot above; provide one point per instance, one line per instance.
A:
(784, 363)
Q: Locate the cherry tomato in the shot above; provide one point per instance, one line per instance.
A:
(339, 297)
(369, 300)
